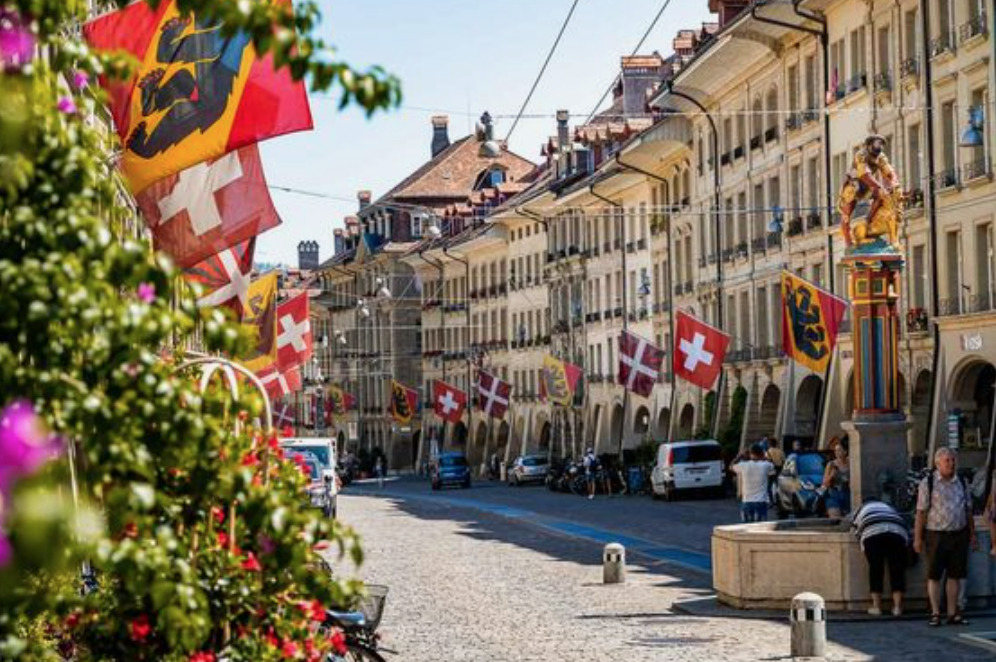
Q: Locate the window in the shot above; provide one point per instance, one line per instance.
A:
(793, 88)
(758, 207)
(812, 87)
(858, 64)
(984, 266)
(837, 70)
(953, 248)
(795, 190)
(756, 123)
(948, 156)
(919, 277)
(943, 21)
(884, 54)
(914, 157)
(911, 20)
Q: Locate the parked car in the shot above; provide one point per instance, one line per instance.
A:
(687, 465)
(323, 449)
(450, 469)
(798, 489)
(528, 469)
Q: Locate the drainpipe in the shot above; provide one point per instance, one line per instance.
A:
(466, 267)
(716, 195)
(935, 301)
(670, 289)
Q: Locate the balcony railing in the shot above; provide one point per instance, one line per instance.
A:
(972, 28)
(771, 134)
(909, 67)
(641, 244)
(738, 356)
(726, 158)
(976, 169)
(808, 116)
(917, 320)
(814, 221)
(759, 244)
(795, 227)
(755, 142)
(618, 312)
(950, 307)
(793, 122)
(774, 240)
(941, 44)
(741, 249)
(883, 81)
(946, 178)
(630, 246)
(738, 152)
(727, 255)
(914, 199)
(980, 303)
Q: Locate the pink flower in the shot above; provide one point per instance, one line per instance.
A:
(66, 106)
(24, 444)
(17, 42)
(80, 79)
(202, 656)
(147, 292)
(140, 628)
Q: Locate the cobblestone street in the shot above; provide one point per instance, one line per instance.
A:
(473, 578)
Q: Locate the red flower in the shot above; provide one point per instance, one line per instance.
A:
(338, 640)
(202, 656)
(287, 431)
(250, 460)
(251, 563)
(222, 539)
(218, 514)
(72, 620)
(312, 609)
(273, 442)
(271, 638)
(140, 628)
(289, 649)
(130, 530)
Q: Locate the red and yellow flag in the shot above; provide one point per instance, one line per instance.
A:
(559, 381)
(403, 402)
(810, 319)
(197, 93)
(340, 401)
(260, 319)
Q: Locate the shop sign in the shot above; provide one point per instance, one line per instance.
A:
(971, 342)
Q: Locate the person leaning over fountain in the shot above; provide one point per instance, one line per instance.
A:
(884, 539)
(945, 528)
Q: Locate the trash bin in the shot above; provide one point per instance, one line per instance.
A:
(634, 478)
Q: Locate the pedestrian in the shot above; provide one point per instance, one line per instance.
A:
(775, 455)
(885, 540)
(591, 468)
(379, 470)
(945, 531)
(837, 482)
(754, 474)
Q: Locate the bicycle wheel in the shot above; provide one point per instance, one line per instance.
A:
(360, 653)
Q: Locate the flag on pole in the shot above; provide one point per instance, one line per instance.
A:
(811, 318)
(639, 363)
(294, 337)
(225, 277)
(197, 92)
(699, 350)
(280, 384)
(493, 394)
(260, 320)
(559, 381)
(284, 415)
(403, 402)
(340, 401)
(448, 402)
(209, 207)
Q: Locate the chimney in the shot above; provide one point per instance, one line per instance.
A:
(339, 241)
(364, 199)
(563, 142)
(640, 73)
(440, 135)
(727, 9)
(307, 255)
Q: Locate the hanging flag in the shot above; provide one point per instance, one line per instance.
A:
(559, 381)
(284, 415)
(294, 338)
(340, 401)
(280, 384)
(209, 207)
(811, 319)
(225, 277)
(403, 402)
(260, 320)
(448, 401)
(640, 363)
(197, 92)
(493, 394)
(699, 350)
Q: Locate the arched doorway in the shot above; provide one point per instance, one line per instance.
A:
(544, 437)
(458, 437)
(519, 445)
(972, 395)
(616, 435)
(686, 422)
(595, 427)
(641, 424)
(663, 424)
(475, 454)
(920, 412)
(767, 416)
(416, 443)
(807, 406)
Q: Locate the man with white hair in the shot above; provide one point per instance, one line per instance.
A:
(945, 528)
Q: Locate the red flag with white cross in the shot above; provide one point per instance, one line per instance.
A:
(639, 363)
(448, 401)
(294, 338)
(225, 277)
(699, 350)
(493, 394)
(209, 207)
(280, 384)
(284, 414)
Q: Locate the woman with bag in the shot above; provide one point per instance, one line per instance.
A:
(884, 539)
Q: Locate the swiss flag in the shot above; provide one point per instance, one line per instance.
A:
(294, 338)
(699, 350)
(448, 401)
(226, 277)
(639, 363)
(209, 207)
(280, 384)
(493, 394)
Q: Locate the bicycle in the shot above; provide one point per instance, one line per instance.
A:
(359, 627)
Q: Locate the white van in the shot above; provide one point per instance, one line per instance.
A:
(687, 465)
(325, 450)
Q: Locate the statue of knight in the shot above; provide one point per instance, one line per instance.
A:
(871, 178)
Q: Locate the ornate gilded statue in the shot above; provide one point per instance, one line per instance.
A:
(871, 179)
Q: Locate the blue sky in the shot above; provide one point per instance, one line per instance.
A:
(458, 57)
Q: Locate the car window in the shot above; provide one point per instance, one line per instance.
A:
(697, 453)
(453, 461)
(320, 451)
(533, 461)
(810, 463)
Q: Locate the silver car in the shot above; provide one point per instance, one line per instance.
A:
(528, 469)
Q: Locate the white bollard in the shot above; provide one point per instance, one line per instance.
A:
(809, 626)
(614, 564)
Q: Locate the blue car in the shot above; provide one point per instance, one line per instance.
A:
(450, 469)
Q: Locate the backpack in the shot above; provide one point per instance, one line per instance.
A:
(966, 492)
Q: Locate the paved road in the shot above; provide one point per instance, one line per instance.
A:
(485, 575)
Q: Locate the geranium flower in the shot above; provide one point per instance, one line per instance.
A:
(289, 649)
(201, 656)
(338, 640)
(218, 514)
(251, 563)
(140, 628)
(17, 42)
(66, 106)
(147, 292)
(81, 79)
(222, 539)
(24, 443)
(313, 609)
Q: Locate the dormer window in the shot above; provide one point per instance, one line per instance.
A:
(490, 178)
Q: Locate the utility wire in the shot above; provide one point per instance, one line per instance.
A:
(542, 70)
(646, 34)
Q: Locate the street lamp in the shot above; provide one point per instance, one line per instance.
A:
(972, 135)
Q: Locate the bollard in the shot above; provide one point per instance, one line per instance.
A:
(809, 626)
(614, 564)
